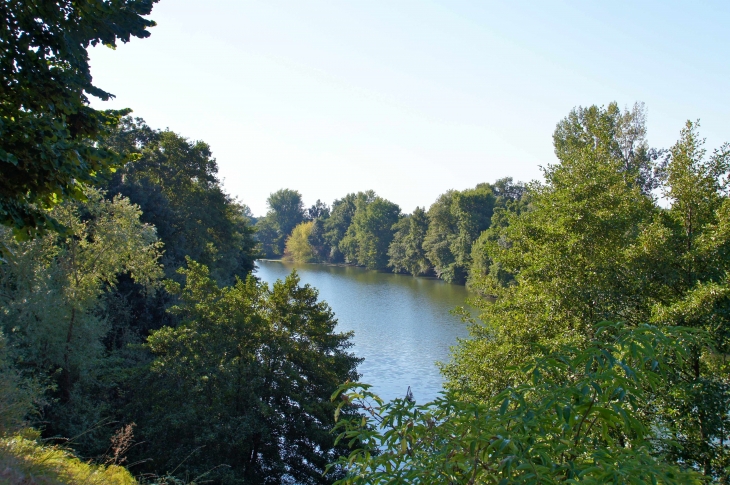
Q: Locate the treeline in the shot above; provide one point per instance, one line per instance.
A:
(364, 229)
(137, 334)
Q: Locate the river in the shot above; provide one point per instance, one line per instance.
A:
(402, 324)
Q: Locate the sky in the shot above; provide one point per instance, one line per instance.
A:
(410, 98)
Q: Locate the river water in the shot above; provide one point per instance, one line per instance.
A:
(402, 324)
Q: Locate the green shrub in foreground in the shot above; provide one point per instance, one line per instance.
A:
(579, 417)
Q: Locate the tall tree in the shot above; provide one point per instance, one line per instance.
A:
(319, 210)
(683, 257)
(371, 232)
(594, 246)
(47, 128)
(175, 182)
(619, 134)
(569, 255)
(343, 210)
(406, 251)
(511, 200)
(456, 220)
(251, 370)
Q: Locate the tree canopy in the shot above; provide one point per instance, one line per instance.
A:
(251, 370)
(47, 128)
(175, 182)
(286, 211)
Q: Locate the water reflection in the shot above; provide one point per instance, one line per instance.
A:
(402, 324)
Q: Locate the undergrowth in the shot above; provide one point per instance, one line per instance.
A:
(24, 461)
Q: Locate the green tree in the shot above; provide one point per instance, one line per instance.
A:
(336, 226)
(53, 301)
(286, 211)
(568, 255)
(250, 371)
(318, 240)
(175, 182)
(371, 232)
(683, 257)
(47, 128)
(456, 220)
(441, 229)
(406, 250)
(298, 248)
(511, 200)
(19, 394)
(618, 134)
(594, 246)
(318, 211)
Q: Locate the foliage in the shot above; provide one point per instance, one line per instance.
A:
(318, 211)
(618, 135)
(569, 257)
(370, 232)
(336, 226)
(593, 245)
(318, 241)
(18, 393)
(406, 250)
(575, 416)
(286, 211)
(47, 128)
(52, 296)
(511, 199)
(298, 247)
(24, 460)
(687, 283)
(250, 371)
(175, 183)
(456, 220)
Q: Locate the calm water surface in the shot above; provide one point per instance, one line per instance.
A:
(402, 324)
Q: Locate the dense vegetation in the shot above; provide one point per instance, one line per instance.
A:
(47, 128)
(133, 333)
(367, 230)
(548, 390)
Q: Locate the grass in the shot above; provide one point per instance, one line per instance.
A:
(26, 462)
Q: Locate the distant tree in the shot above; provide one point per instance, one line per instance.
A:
(511, 199)
(370, 233)
(318, 211)
(318, 241)
(251, 371)
(286, 211)
(343, 210)
(456, 220)
(442, 228)
(406, 250)
(298, 247)
(473, 211)
(47, 128)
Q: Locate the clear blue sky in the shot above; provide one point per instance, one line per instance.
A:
(412, 98)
